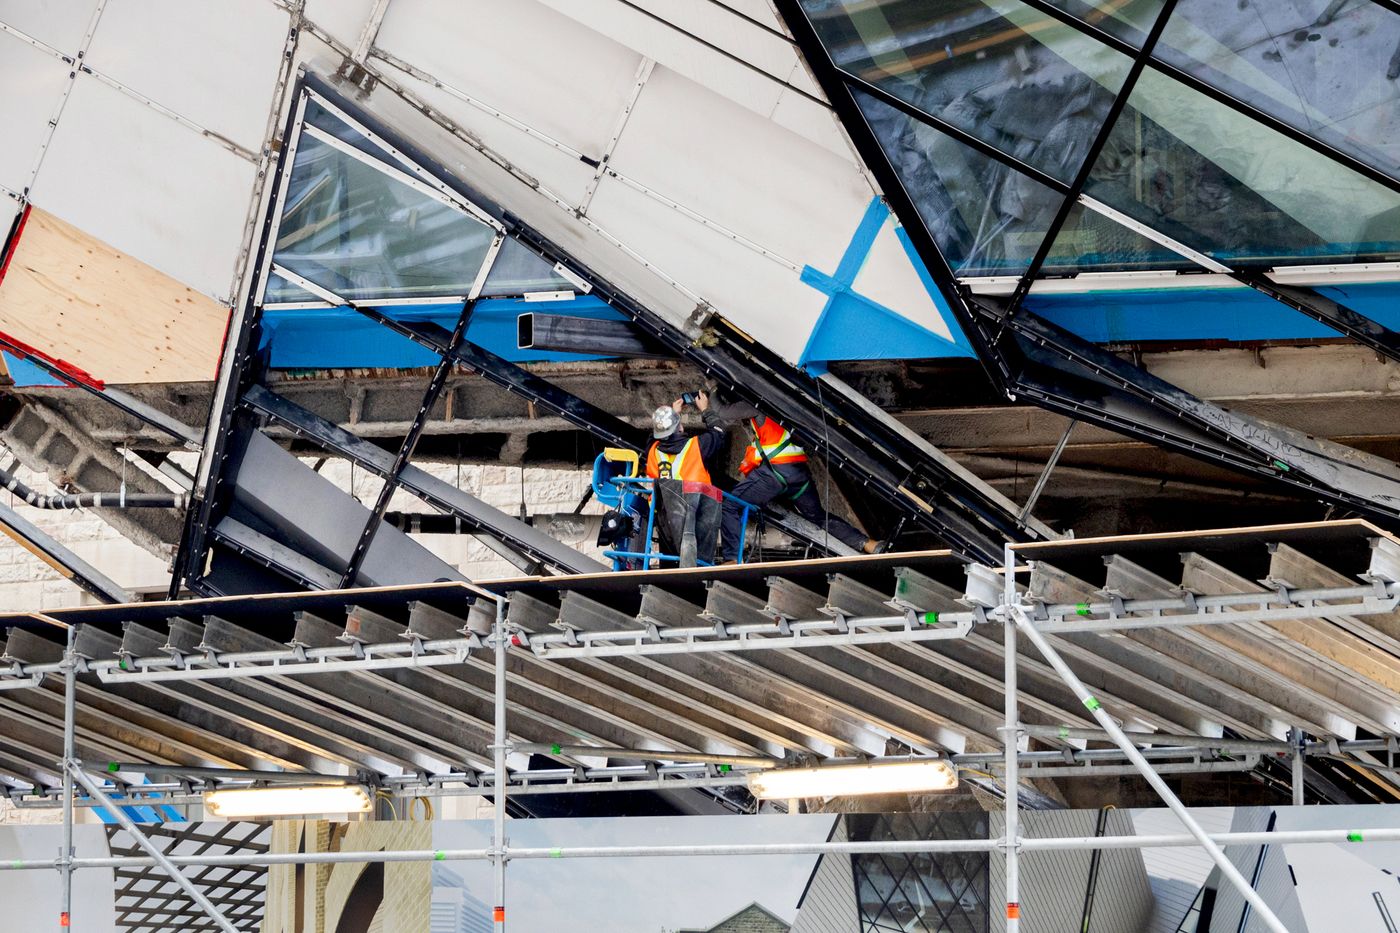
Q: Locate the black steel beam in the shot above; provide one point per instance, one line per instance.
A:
(69, 565)
(1091, 155)
(1327, 311)
(565, 333)
(410, 441)
(443, 495)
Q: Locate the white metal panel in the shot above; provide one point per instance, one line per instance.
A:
(521, 58)
(742, 172)
(220, 71)
(765, 299)
(1176, 874)
(147, 186)
(760, 10)
(59, 24)
(676, 35)
(32, 82)
(564, 174)
(890, 278)
(343, 19)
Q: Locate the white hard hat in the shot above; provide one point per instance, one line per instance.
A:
(664, 422)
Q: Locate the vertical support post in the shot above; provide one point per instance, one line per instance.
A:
(1011, 740)
(1109, 725)
(70, 705)
(1297, 739)
(76, 770)
(498, 914)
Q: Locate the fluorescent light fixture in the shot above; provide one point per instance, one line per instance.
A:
(287, 801)
(886, 777)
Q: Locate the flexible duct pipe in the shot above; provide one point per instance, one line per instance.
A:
(93, 500)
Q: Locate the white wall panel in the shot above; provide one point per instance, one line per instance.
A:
(767, 300)
(522, 58)
(742, 171)
(31, 83)
(147, 186)
(59, 24)
(343, 19)
(211, 61)
(564, 174)
(890, 278)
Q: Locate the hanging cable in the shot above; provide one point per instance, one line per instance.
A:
(93, 500)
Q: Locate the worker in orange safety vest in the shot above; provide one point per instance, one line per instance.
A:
(687, 512)
(775, 468)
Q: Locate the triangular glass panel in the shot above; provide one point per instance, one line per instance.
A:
(986, 218)
(1217, 181)
(1091, 242)
(281, 292)
(363, 234)
(1330, 73)
(1011, 75)
(518, 270)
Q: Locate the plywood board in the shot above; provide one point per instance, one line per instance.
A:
(79, 300)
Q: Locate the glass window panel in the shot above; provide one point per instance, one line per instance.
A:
(362, 234)
(1220, 183)
(280, 291)
(986, 218)
(1091, 242)
(1325, 67)
(1023, 81)
(519, 270)
(1129, 20)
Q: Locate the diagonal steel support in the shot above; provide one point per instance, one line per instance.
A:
(70, 707)
(1023, 623)
(500, 643)
(43, 546)
(76, 770)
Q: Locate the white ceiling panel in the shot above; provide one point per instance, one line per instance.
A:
(59, 24)
(523, 59)
(767, 300)
(758, 10)
(562, 173)
(33, 82)
(145, 185)
(343, 19)
(742, 171)
(214, 62)
(889, 277)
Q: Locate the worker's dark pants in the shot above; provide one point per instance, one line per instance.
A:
(761, 487)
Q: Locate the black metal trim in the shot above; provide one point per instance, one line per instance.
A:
(1325, 310)
(410, 441)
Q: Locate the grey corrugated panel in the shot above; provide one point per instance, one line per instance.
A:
(1176, 875)
(830, 902)
(1277, 888)
(1229, 903)
(1053, 884)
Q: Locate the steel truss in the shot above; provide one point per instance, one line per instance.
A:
(1024, 355)
(994, 599)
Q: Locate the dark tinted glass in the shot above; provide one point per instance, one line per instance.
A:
(1028, 84)
(518, 271)
(1329, 69)
(1215, 180)
(987, 219)
(1091, 242)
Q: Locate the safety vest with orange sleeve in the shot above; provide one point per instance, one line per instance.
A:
(687, 465)
(770, 441)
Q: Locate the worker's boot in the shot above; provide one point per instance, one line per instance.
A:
(871, 546)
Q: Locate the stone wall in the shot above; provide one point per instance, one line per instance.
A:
(27, 583)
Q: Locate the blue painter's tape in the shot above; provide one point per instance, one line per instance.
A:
(340, 338)
(25, 373)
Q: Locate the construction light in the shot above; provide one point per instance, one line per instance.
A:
(887, 777)
(287, 801)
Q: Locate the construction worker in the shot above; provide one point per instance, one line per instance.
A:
(775, 468)
(688, 514)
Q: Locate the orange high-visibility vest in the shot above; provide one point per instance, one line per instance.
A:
(775, 442)
(687, 465)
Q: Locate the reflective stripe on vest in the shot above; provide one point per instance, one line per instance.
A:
(686, 465)
(776, 443)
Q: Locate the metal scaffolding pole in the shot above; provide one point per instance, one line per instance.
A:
(75, 769)
(70, 705)
(1010, 737)
(501, 642)
(1227, 868)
